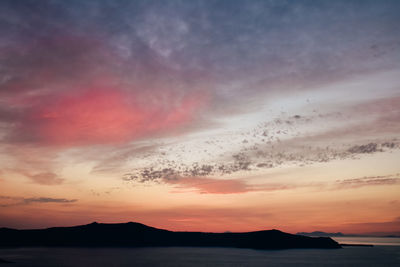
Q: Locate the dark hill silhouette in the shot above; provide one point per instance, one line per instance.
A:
(139, 235)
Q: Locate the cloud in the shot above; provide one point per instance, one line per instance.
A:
(227, 186)
(9, 201)
(38, 164)
(210, 185)
(112, 159)
(365, 149)
(198, 184)
(207, 185)
(45, 178)
(382, 121)
(368, 181)
(103, 116)
(48, 200)
(287, 140)
(71, 89)
(265, 151)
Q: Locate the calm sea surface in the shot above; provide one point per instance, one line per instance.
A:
(379, 255)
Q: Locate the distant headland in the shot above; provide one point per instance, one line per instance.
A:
(320, 234)
(139, 235)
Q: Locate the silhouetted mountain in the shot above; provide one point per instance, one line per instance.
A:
(319, 233)
(139, 235)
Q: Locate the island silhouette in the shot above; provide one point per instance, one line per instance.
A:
(134, 234)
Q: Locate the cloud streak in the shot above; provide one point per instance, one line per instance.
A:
(368, 181)
(206, 185)
(17, 201)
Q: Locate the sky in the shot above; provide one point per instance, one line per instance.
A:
(201, 115)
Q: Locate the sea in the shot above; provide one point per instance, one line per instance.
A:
(385, 252)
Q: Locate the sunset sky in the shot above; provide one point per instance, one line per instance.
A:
(201, 115)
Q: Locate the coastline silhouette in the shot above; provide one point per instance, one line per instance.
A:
(133, 234)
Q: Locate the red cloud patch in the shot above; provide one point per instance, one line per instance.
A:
(212, 185)
(204, 185)
(104, 115)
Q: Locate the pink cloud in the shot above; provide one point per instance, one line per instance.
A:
(101, 115)
(205, 185)
(211, 186)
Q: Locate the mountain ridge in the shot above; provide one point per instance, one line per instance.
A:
(134, 234)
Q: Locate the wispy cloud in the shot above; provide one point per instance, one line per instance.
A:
(255, 156)
(368, 181)
(46, 178)
(206, 185)
(16, 201)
